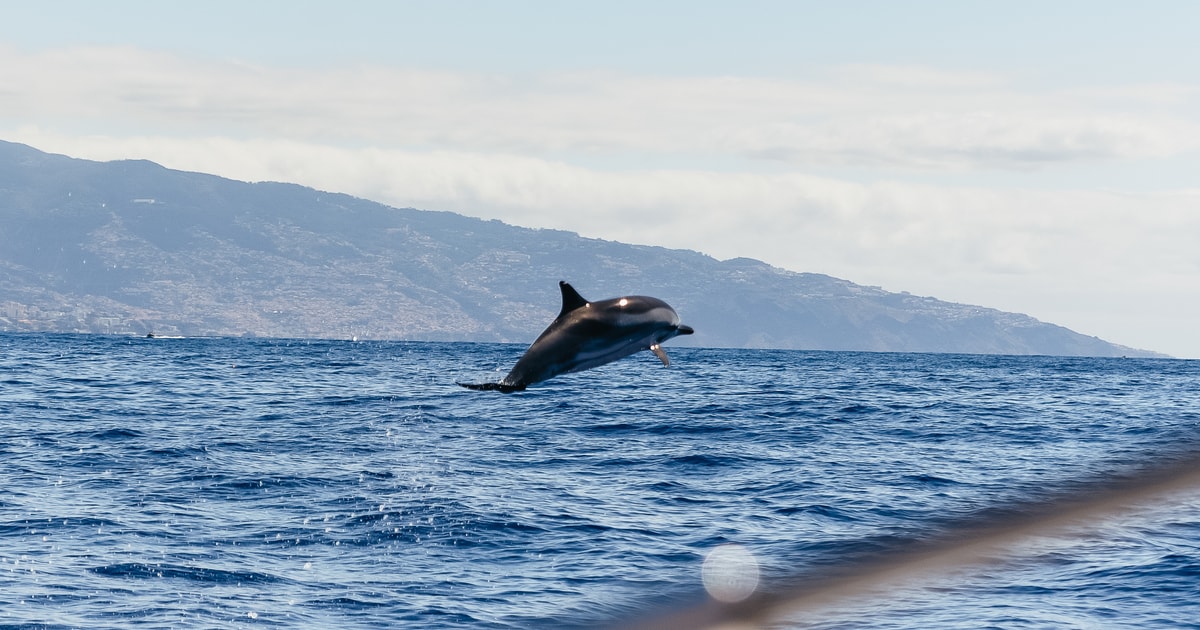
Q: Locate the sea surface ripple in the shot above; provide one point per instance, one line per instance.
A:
(162, 483)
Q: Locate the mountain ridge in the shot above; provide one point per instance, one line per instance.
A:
(130, 246)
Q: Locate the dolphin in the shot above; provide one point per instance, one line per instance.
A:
(588, 334)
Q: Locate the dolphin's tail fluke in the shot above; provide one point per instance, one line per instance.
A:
(493, 387)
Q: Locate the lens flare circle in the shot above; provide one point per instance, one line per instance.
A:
(730, 573)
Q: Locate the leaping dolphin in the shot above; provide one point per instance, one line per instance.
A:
(588, 334)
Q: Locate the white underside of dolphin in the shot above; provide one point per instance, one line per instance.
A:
(588, 334)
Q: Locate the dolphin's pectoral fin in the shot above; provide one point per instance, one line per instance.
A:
(661, 354)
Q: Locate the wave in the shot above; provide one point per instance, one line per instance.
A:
(201, 575)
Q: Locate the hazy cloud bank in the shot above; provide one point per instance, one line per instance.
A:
(876, 116)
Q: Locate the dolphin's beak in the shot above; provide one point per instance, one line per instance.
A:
(684, 329)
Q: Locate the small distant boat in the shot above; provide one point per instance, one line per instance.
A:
(152, 335)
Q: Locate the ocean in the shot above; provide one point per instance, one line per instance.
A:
(225, 483)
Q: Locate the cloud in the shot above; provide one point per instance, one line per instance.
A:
(968, 140)
(877, 116)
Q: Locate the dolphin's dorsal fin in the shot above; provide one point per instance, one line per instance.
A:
(571, 298)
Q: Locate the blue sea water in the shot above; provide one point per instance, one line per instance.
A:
(190, 483)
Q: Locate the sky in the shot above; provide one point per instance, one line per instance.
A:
(1035, 157)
